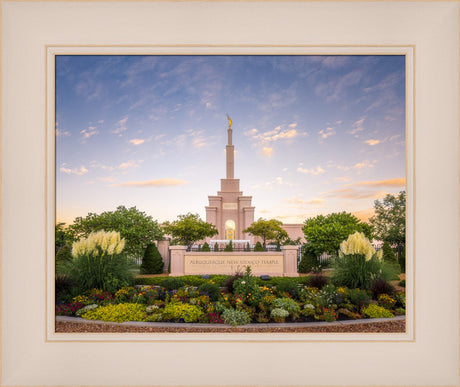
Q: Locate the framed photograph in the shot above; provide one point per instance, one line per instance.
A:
(78, 111)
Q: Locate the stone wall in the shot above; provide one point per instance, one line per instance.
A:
(283, 263)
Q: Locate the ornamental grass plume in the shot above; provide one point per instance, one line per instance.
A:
(98, 262)
(99, 243)
(357, 243)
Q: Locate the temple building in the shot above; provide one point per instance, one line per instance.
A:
(230, 211)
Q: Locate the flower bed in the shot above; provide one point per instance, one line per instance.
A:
(243, 300)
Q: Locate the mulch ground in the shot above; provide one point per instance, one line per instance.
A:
(398, 326)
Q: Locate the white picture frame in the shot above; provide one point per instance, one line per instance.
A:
(33, 355)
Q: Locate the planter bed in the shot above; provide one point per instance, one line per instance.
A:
(78, 325)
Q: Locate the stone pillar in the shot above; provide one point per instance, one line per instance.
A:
(163, 248)
(177, 260)
(290, 261)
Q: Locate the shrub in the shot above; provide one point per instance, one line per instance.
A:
(318, 281)
(229, 247)
(248, 247)
(375, 311)
(279, 315)
(386, 301)
(98, 262)
(359, 297)
(329, 314)
(117, 313)
(358, 265)
(380, 286)
(179, 312)
(172, 283)
(248, 288)
(206, 247)
(63, 257)
(125, 294)
(156, 317)
(402, 283)
(230, 282)
(152, 263)
(85, 309)
(308, 262)
(287, 285)
(216, 247)
(64, 287)
(288, 305)
(259, 247)
(68, 309)
(329, 296)
(235, 317)
(389, 257)
(400, 311)
(210, 289)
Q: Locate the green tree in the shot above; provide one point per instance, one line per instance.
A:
(258, 247)
(229, 247)
(61, 237)
(309, 261)
(152, 262)
(389, 256)
(188, 229)
(325, 233)
(138, 229)
(206, 247)
(268, 230)
(389, 220)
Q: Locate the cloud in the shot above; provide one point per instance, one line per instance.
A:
(275, 134)
(89, 132)
(251, 132)
(76, 171)
(398, 182)
(325, 133)
(129, 164)
(357, 127)
(365, 164)
(137, 141)
(352, 193)
(335, 88)
(315, 201)
(167, 182)
(372, 142)
(312, 171)
(267, 151)
(293, 125)
(62, 133)
(121, 126)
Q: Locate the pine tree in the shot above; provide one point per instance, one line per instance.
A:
(308, 262)
(152, 263)
(229, 247)
(259, 247)
(216, 247)
(206, 247)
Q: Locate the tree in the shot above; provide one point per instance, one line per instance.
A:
(325, 233)
(229, 247)
(188, 229)
(389, 220)
(389, 256)
(309, 261)
(138, 229)
(268, 230)
(152, 262)
(61, 237)
(258, 247)
(206, 247)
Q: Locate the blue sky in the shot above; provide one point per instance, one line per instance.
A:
(312, 134)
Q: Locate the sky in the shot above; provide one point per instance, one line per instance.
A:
(312, 134)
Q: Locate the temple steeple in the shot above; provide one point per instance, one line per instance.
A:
(230, 152)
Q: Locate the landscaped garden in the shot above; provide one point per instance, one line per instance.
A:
(100, 284)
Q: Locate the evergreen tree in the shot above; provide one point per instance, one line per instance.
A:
(259, 247)
(248, 247)
(216, 247)
(308, 262)
(152, 263)
(229, 247)
(389, 256)
(206, 247)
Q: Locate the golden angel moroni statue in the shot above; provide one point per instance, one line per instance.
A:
(229, 121)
